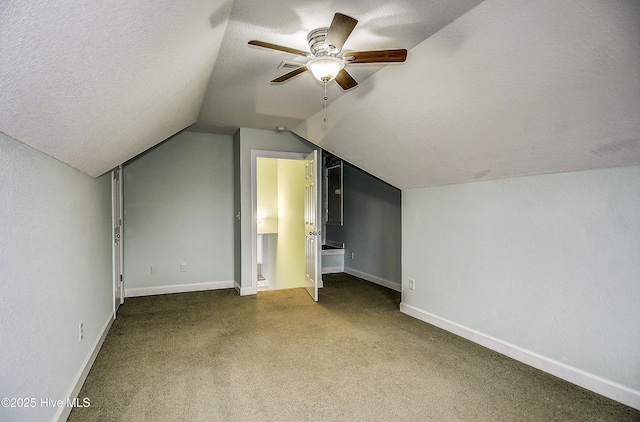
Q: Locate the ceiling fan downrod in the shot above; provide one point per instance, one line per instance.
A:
(325, 119)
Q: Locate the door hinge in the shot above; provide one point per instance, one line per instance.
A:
(120, 277)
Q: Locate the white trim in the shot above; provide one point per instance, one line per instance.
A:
(612, 390)
(117, 253)
(63, 412)
(178, 288)
(255, 154)
(333, 252)
(244, 291)
(372, 278)
(332, 270)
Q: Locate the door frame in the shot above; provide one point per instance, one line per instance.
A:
(117, 218)
(255, 154)
(312, 225)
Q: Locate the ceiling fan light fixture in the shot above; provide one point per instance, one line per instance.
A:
(325, 68)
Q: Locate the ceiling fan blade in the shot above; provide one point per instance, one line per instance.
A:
(345, 80)
(291, 74)
(376, 56)
(279, 48)
(340, 29)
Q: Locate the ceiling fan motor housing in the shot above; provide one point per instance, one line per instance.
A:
(316, 40)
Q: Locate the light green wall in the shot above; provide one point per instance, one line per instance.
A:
(254, 139)
(372, 226)
(55, 272)
(267, 194)
(178, 208)
(547, 263)
(290, 258)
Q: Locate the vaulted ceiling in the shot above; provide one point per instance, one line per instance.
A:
(491, 89)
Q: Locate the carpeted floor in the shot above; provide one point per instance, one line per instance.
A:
(278, 356)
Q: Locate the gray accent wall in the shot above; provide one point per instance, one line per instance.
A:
(549, 264)
(372, 227)
(178, 208)
(55, 272)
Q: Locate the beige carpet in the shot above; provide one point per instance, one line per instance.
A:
(278, 356)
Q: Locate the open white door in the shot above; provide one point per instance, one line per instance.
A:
(313, 247)
(116, 202)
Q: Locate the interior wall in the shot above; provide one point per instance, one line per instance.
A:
(178, 208)
(267, 209)
(372, 227)
(255, 139)
(56, 272)
(290, 258)
(548, 264)
(267, 195)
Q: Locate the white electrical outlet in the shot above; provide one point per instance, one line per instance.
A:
(154, 269)
(183, 267)
(352, 255)
(80, 331)
(412, 284)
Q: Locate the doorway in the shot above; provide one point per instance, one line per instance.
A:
(279, 256)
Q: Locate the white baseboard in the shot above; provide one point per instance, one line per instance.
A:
(332, 270)
(612, 390)
(64, 411)
(243, 291)
(377, 280)
(177, 288)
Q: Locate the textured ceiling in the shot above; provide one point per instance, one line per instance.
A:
(94, 83)
(509, 89)
(491, 89)
(239, 91)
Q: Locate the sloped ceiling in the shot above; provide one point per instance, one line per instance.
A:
(489, 90)
(509, 89)
(94, 83)
(239, 93)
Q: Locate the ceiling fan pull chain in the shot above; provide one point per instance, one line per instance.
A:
(325, 119)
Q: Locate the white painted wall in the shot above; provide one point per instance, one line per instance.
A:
(372, 228)
(55, 272)
(178, 208)
(548, 264)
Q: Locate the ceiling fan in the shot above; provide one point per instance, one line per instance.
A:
(325, 45)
